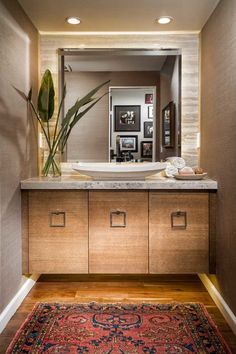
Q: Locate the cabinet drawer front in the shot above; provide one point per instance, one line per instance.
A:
(178, 232)
(118, 232)
(58, 231)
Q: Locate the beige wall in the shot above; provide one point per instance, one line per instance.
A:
(19, 67)
(89, 138)
(189, 45)
(218, 135)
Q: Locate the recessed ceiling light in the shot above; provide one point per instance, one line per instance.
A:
(164, 20)
(73, 20)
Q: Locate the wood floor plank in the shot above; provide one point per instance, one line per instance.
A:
(108, 289)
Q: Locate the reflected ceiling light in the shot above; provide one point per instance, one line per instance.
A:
(164, 20)
(73, 20)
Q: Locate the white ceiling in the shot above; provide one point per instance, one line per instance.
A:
(114, 63)
(118, 15)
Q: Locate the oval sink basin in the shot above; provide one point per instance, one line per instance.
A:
(114, 171)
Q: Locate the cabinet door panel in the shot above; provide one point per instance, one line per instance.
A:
(178, 233)
(118, 232)
(58, 231)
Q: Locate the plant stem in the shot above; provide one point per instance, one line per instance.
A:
(48, 135)
(58, 117)
(51, 162)
(39, 120)
(50, 159)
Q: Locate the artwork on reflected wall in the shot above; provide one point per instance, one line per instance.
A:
(129, 143)
(168, 126)
(127, 118)
(146, 149)
(148, 130)
(149, 98)
(150, 112)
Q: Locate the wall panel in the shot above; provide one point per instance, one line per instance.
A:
(18, 136)
(218, 135)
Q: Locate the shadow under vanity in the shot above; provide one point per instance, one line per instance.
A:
(157, 226)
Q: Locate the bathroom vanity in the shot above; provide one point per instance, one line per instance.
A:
(156, 226)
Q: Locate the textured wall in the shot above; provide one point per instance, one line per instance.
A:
(18, 66)
(218, 134)
(89, 138)
(189, 44)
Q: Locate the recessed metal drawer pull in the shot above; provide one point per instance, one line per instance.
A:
(57, 219)
(176, 218)
(116, 216)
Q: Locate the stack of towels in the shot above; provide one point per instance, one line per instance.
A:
(177, 165)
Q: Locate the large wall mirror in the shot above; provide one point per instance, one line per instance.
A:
(139, 118)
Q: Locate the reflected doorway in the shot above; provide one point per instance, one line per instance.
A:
(132, 125)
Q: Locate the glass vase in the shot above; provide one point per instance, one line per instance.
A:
(51, 166)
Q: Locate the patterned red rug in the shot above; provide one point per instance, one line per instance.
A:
(120, 328)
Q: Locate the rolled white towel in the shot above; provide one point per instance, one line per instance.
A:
(170, 170)
(176, 161)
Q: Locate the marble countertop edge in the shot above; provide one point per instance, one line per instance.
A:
(66, 182)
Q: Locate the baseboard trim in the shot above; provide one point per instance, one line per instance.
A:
(219, 301)
(13, 305)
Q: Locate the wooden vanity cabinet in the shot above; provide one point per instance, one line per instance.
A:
(178, 232)
(58, 231)
(118, 232)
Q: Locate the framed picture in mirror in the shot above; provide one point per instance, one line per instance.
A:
(127, 118)
(148, 130)
(168, 125)
(149, 98)
(146, 149)
(129, 143)
(150, 112)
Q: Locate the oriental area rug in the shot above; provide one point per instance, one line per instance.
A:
(118, 329)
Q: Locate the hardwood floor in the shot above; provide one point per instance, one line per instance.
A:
(159, 289)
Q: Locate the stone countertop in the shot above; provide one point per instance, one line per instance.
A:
(82, 182)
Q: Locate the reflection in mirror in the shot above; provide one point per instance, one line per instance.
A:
(168, 125)
(127, 124)
(131, 121)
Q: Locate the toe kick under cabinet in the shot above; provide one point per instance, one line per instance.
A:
(118, 232)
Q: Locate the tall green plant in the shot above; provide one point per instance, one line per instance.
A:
(45, 110)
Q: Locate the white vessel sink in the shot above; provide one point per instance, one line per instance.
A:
(114, 171)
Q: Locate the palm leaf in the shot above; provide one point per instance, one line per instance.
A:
(81, 114)
(46, 97)
(21, 93)
(30, 94)
(80, 103)
(67, 130)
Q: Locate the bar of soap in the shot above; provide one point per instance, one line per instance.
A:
(198, 171)
(186, 171)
